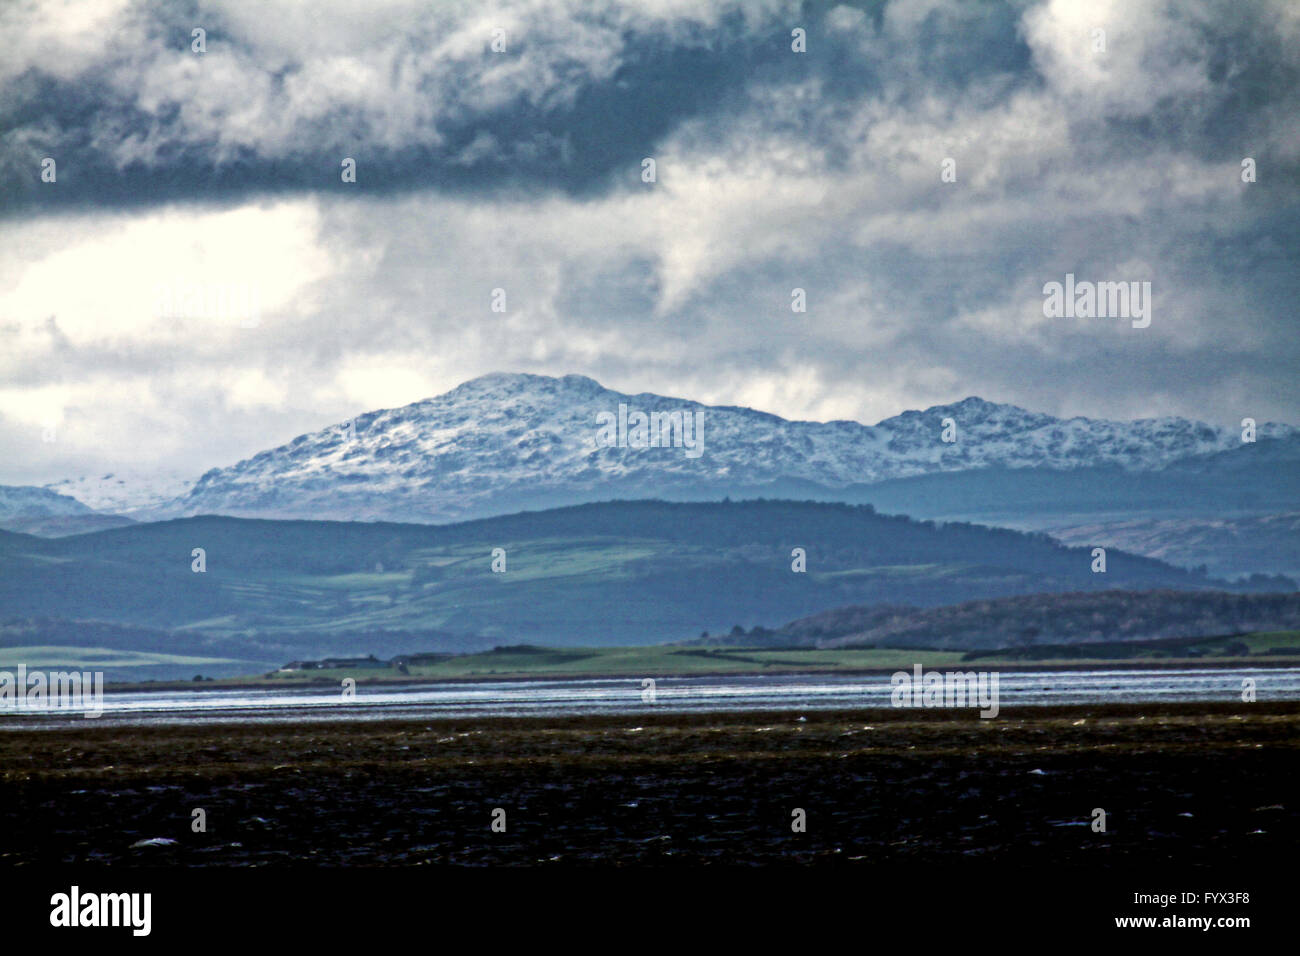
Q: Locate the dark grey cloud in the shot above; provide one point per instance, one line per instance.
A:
(581, 95)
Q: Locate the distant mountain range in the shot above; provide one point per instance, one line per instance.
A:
(45, 512)
(504, 443)
(601, 574)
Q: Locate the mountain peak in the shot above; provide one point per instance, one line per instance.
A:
(510, 440)
(518, 381)
(974, 401)
(974, 405)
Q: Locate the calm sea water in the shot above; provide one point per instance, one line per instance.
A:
(624, 696)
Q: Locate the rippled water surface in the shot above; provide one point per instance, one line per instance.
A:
(624, 695)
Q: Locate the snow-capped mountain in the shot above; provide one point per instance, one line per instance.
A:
(32, 510)
(508, 441)
(27, 501)
(122, 492)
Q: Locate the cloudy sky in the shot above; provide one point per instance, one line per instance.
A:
(185, 180)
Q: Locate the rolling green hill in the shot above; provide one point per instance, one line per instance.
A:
(616, 573)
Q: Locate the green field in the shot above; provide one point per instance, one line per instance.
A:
(668, 661)
(676, 661)
(655, 661)
(664, 660)
(116, 665)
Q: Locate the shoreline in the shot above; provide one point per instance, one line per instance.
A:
(1189, 663)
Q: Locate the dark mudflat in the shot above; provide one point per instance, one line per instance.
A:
(1201, 785)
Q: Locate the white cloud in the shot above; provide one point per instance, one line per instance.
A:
(100, 277)
(1152, 51)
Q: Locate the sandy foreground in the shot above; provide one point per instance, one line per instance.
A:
(1201, 785)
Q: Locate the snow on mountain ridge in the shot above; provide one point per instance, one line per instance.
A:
(20, 501)
(124, 492)
(503, 434)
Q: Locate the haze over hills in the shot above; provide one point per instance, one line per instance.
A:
(1224, 546)
(1107, 616)
(1254, 479)
(505, 442)
(45, 512)
(24, 500)
(602, 574)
